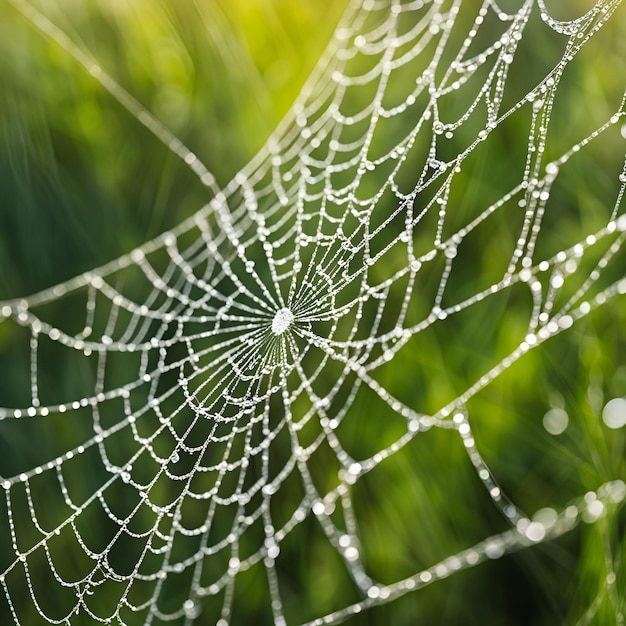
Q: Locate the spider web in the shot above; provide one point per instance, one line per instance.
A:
(216, 364)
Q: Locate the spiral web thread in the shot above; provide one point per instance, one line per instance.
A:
(218, 360)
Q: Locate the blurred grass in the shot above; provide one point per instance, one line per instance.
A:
(81, 181)
(220, 75)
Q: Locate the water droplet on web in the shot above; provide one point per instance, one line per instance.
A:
(450, 252)
(535, 531)
(191, 609)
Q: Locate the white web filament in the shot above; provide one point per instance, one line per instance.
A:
(220, 362)
(282, 321)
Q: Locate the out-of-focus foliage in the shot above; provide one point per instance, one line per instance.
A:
(82, 180)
